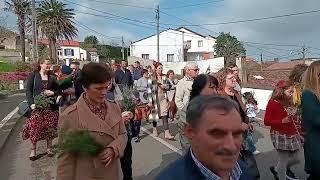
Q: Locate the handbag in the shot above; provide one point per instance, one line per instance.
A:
(24, 108)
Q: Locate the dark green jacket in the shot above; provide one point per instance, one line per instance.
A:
(311, 123)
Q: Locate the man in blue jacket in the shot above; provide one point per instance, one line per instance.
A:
(214, 130)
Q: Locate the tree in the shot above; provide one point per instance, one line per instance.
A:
(91, 40)
(55, 21)
(21, 8)
(228, 46)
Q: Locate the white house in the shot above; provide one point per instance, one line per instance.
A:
(68, 50)
(175, 45)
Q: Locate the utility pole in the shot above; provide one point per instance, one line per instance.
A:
(158, 22)
(261, 60)
(182, 50)
(122, 49)
(34, 31)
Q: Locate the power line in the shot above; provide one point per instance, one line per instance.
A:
(98, 33)
(188, 22)
(114, 15)
(247, 20)
(192, 5)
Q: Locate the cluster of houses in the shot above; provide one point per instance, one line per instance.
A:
(66, 49)
(176, 46)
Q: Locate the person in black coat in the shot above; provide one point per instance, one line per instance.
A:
(123, 76)
(43, 122)
(214, 130)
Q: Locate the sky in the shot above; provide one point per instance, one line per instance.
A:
(109, 22)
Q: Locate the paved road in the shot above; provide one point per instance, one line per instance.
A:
(8, 104)
(149, 158)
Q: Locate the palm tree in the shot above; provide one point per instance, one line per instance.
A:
(21, 8)
(55, 21)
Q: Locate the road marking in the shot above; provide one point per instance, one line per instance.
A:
(173, 148)
(8, 117)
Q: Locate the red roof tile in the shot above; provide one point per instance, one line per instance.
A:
(70, 43)
(284, 65)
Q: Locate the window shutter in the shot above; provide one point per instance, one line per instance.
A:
(72, 52)
(65, 52)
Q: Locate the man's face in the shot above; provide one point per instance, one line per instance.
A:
(193, 71)
(124, 64)
(74, 67)
(217, 139)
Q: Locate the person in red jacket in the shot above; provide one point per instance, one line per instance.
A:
(281, 116)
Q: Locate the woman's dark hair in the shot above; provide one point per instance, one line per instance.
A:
(169, 72)
(200, 82)
(296, 73)
(248, 96)
(94, 73)
(144, 71)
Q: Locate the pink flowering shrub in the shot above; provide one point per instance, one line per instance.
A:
(10, 80)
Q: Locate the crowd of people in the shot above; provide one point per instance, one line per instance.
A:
(215, 120)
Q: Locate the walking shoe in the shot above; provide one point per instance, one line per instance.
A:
(33, 155)
(290, 175)
(256, 152)
(274, 172)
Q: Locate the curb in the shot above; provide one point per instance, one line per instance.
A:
(7, 125)
(5, 94)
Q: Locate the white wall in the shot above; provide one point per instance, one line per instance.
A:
(261, 95)
(214, 64)
(170, 43)
(84, 54)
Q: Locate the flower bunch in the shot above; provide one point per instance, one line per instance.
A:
(80, 142)
(42, 101)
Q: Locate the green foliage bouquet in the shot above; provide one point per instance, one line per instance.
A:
(80, 142)
(129, 101)
(42, 101)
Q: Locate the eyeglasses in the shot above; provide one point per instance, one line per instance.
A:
(195, 70)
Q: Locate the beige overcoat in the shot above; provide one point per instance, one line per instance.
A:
(111, 133)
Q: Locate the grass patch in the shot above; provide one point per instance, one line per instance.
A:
(5, 66)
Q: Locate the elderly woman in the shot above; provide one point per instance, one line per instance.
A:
(227, 83)
(102, 119)
(203, 84)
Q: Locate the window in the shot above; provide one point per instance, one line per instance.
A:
(68, 52)
(170, 57)
(189, 43)
(145, 56)
(200, 43)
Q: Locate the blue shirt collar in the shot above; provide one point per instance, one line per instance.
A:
(209, 175)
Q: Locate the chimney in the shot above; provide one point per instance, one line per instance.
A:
(276, 59)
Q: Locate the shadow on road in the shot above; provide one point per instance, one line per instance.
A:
(166, 160)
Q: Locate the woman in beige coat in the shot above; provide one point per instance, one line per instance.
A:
(103, 121)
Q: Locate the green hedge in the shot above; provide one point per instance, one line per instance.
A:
(5, 66)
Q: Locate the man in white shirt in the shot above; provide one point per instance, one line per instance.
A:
(184, 86)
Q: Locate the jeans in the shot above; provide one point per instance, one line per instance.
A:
(286, 160)
(126, 162)
(136, 128)
(249, 144)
